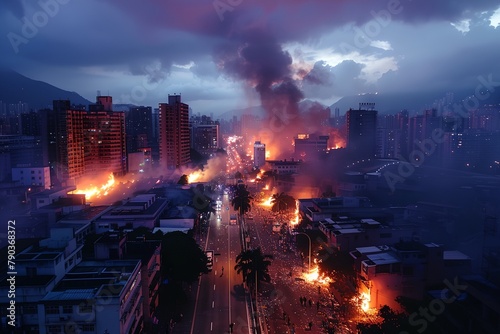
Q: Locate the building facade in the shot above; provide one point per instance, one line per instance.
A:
(310, 146)
(259, 154)
(174, 134)
(362, 131)
(104, 139)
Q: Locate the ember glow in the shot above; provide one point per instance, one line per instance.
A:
(315, 277)
(196, 176)
(365, 301)
(267, 202)
(97, 191)
(295, 218)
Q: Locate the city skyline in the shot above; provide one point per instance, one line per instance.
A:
(326, 50)
(250, 167)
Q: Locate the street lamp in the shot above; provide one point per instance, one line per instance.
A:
(308, 237)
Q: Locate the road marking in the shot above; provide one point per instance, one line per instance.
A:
(199, 285)
(229, 273)
(214, 287)
(213, 303)
(211, 326)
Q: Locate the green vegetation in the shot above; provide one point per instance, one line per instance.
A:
(282, 202)
(183, 180)
(252, 263)
(241, 200)
(182, 258)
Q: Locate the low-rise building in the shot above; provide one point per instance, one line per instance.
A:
(406, 269)
(95, 297)
(316, 209)
(141, 211)
(347, 234)
(39, 268)
(285, 167)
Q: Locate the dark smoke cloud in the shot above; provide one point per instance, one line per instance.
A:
(258, 59)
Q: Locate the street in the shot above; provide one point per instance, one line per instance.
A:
(281, 300)
(221, 298)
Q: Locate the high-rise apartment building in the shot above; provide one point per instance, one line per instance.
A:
(104, 139)
(78, 142)
(205, 138)
(362, 131)
(174, 135)
(259, 154)
(205, 135)
(62, 137)
(310, 146)
(139, 128)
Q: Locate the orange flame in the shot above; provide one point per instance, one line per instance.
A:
(315, 277)
(95, 191)
(195, 176)
(268, 202)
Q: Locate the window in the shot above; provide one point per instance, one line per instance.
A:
(67, 309)
(53, 329)
(84, 308)
(88, 327)
(30, 309)
(407, 271)
(384, 268)
(30, 271)
(51, 309)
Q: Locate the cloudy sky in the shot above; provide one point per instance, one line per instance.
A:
(224, 54)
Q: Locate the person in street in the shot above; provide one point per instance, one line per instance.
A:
(310, 303)
(310, 325)
(231, 326)
(222, 272)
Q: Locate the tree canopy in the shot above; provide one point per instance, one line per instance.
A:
(282, 202)
(241, 200)
(253, 262)
(183, 180)
(182, 258)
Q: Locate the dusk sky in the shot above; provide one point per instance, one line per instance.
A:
(215, 53)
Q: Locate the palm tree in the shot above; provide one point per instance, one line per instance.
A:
(183, 180)
(252, 263)
(282, 202)
(241, 200)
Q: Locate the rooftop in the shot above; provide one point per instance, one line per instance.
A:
(454, 255)
(28, 281)
(70, 294)
(381, 258)
(90, 278)
(88, 213)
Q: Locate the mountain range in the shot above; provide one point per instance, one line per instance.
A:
(15, 88)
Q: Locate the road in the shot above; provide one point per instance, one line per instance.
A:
(282, 296)
(221, 298)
